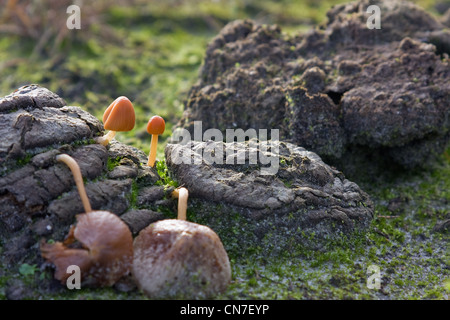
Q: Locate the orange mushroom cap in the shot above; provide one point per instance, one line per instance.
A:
(156, 125)
(119, 116)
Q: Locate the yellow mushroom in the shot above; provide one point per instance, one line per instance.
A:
(155, 127)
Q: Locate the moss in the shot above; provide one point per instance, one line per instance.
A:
(132, 196)
(24, 160)
(164, 174)
(113, 162)
(83, 142)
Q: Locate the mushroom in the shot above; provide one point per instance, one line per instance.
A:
(155, 127)
(181, 259)
(182, 194)
(119, 116)
(100, 244)
(76, 172)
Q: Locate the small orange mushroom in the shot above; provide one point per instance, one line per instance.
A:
(119, 116)
(106, 251)
(155, 127)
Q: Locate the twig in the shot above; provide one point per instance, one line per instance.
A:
(381, 233)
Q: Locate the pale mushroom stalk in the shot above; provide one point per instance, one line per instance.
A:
(182, 194)
(76, 172)
(106, 138)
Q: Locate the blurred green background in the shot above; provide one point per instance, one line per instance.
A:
(149, 51)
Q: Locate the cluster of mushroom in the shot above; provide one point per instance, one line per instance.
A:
(169, 258)
(120, 116)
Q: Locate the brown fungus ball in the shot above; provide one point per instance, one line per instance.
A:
(181, 259)
(104, 256)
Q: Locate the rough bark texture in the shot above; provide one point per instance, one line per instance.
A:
(339, 89)
(38, 197)
(296, 191)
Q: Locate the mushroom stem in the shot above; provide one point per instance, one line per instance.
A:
(153, 149)
(182, 194)
(76, 172)
(106, 138)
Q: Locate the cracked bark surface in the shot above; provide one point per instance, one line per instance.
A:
(38, 196)
(342, 90)
(32, 117)
(303, 193)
